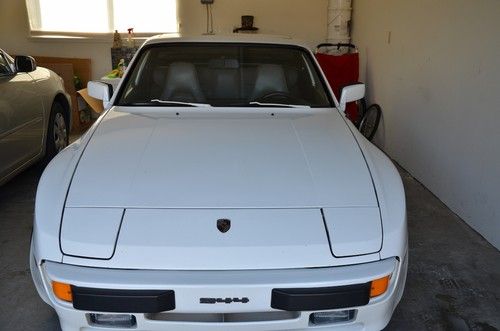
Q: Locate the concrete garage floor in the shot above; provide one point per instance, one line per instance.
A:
(453, 279)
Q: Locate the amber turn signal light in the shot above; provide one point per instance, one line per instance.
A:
(379, 286)
(62, 291)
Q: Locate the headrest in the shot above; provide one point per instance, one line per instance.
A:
(270, 78)
(182, 83)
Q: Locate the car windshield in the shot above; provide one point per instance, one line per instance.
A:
(224, 75)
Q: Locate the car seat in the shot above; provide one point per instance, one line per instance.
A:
(270, 78)
(182, 84)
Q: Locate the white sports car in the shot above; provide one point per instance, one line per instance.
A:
(223, 189)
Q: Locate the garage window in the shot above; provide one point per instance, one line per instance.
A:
(101, 16)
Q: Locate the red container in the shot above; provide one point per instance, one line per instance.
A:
(341, 70)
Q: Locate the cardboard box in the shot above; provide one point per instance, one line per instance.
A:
(86, 102)
(67, 68)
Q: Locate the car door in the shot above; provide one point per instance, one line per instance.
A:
(21, 118)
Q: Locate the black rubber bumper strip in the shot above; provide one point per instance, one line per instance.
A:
(122, 301)
(321, 298)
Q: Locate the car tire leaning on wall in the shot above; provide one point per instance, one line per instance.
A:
(57, 132)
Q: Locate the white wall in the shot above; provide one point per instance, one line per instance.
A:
(303, 19)
(298, 18)
(438, 81)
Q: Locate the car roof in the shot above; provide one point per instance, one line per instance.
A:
(231, 38)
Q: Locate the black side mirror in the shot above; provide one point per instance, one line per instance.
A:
(25, 64)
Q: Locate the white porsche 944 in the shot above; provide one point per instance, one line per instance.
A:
(223, 189)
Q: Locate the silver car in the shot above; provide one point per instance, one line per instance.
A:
(35, 114)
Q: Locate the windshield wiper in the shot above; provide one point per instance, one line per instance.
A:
(280, 105)
(180, 103)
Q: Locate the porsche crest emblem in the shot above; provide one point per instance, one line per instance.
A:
(223, 225)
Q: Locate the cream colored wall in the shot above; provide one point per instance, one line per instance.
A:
(303, 19)
(298, 18)
(437, 77)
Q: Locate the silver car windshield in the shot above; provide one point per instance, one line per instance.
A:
(224, 75)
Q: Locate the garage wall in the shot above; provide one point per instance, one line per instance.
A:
(303, 19)
(434, 66)
(298, 18)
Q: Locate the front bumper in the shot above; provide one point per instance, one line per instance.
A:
(253, 290)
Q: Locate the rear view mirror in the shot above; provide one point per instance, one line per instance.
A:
(351, 93)
(25, 64)
(100, 91)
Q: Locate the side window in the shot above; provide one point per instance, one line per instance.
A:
(4, 65)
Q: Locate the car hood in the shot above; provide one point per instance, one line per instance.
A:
(146, 158)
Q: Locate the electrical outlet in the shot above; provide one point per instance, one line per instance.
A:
(207, 2)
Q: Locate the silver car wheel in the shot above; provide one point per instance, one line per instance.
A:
(60, 132)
